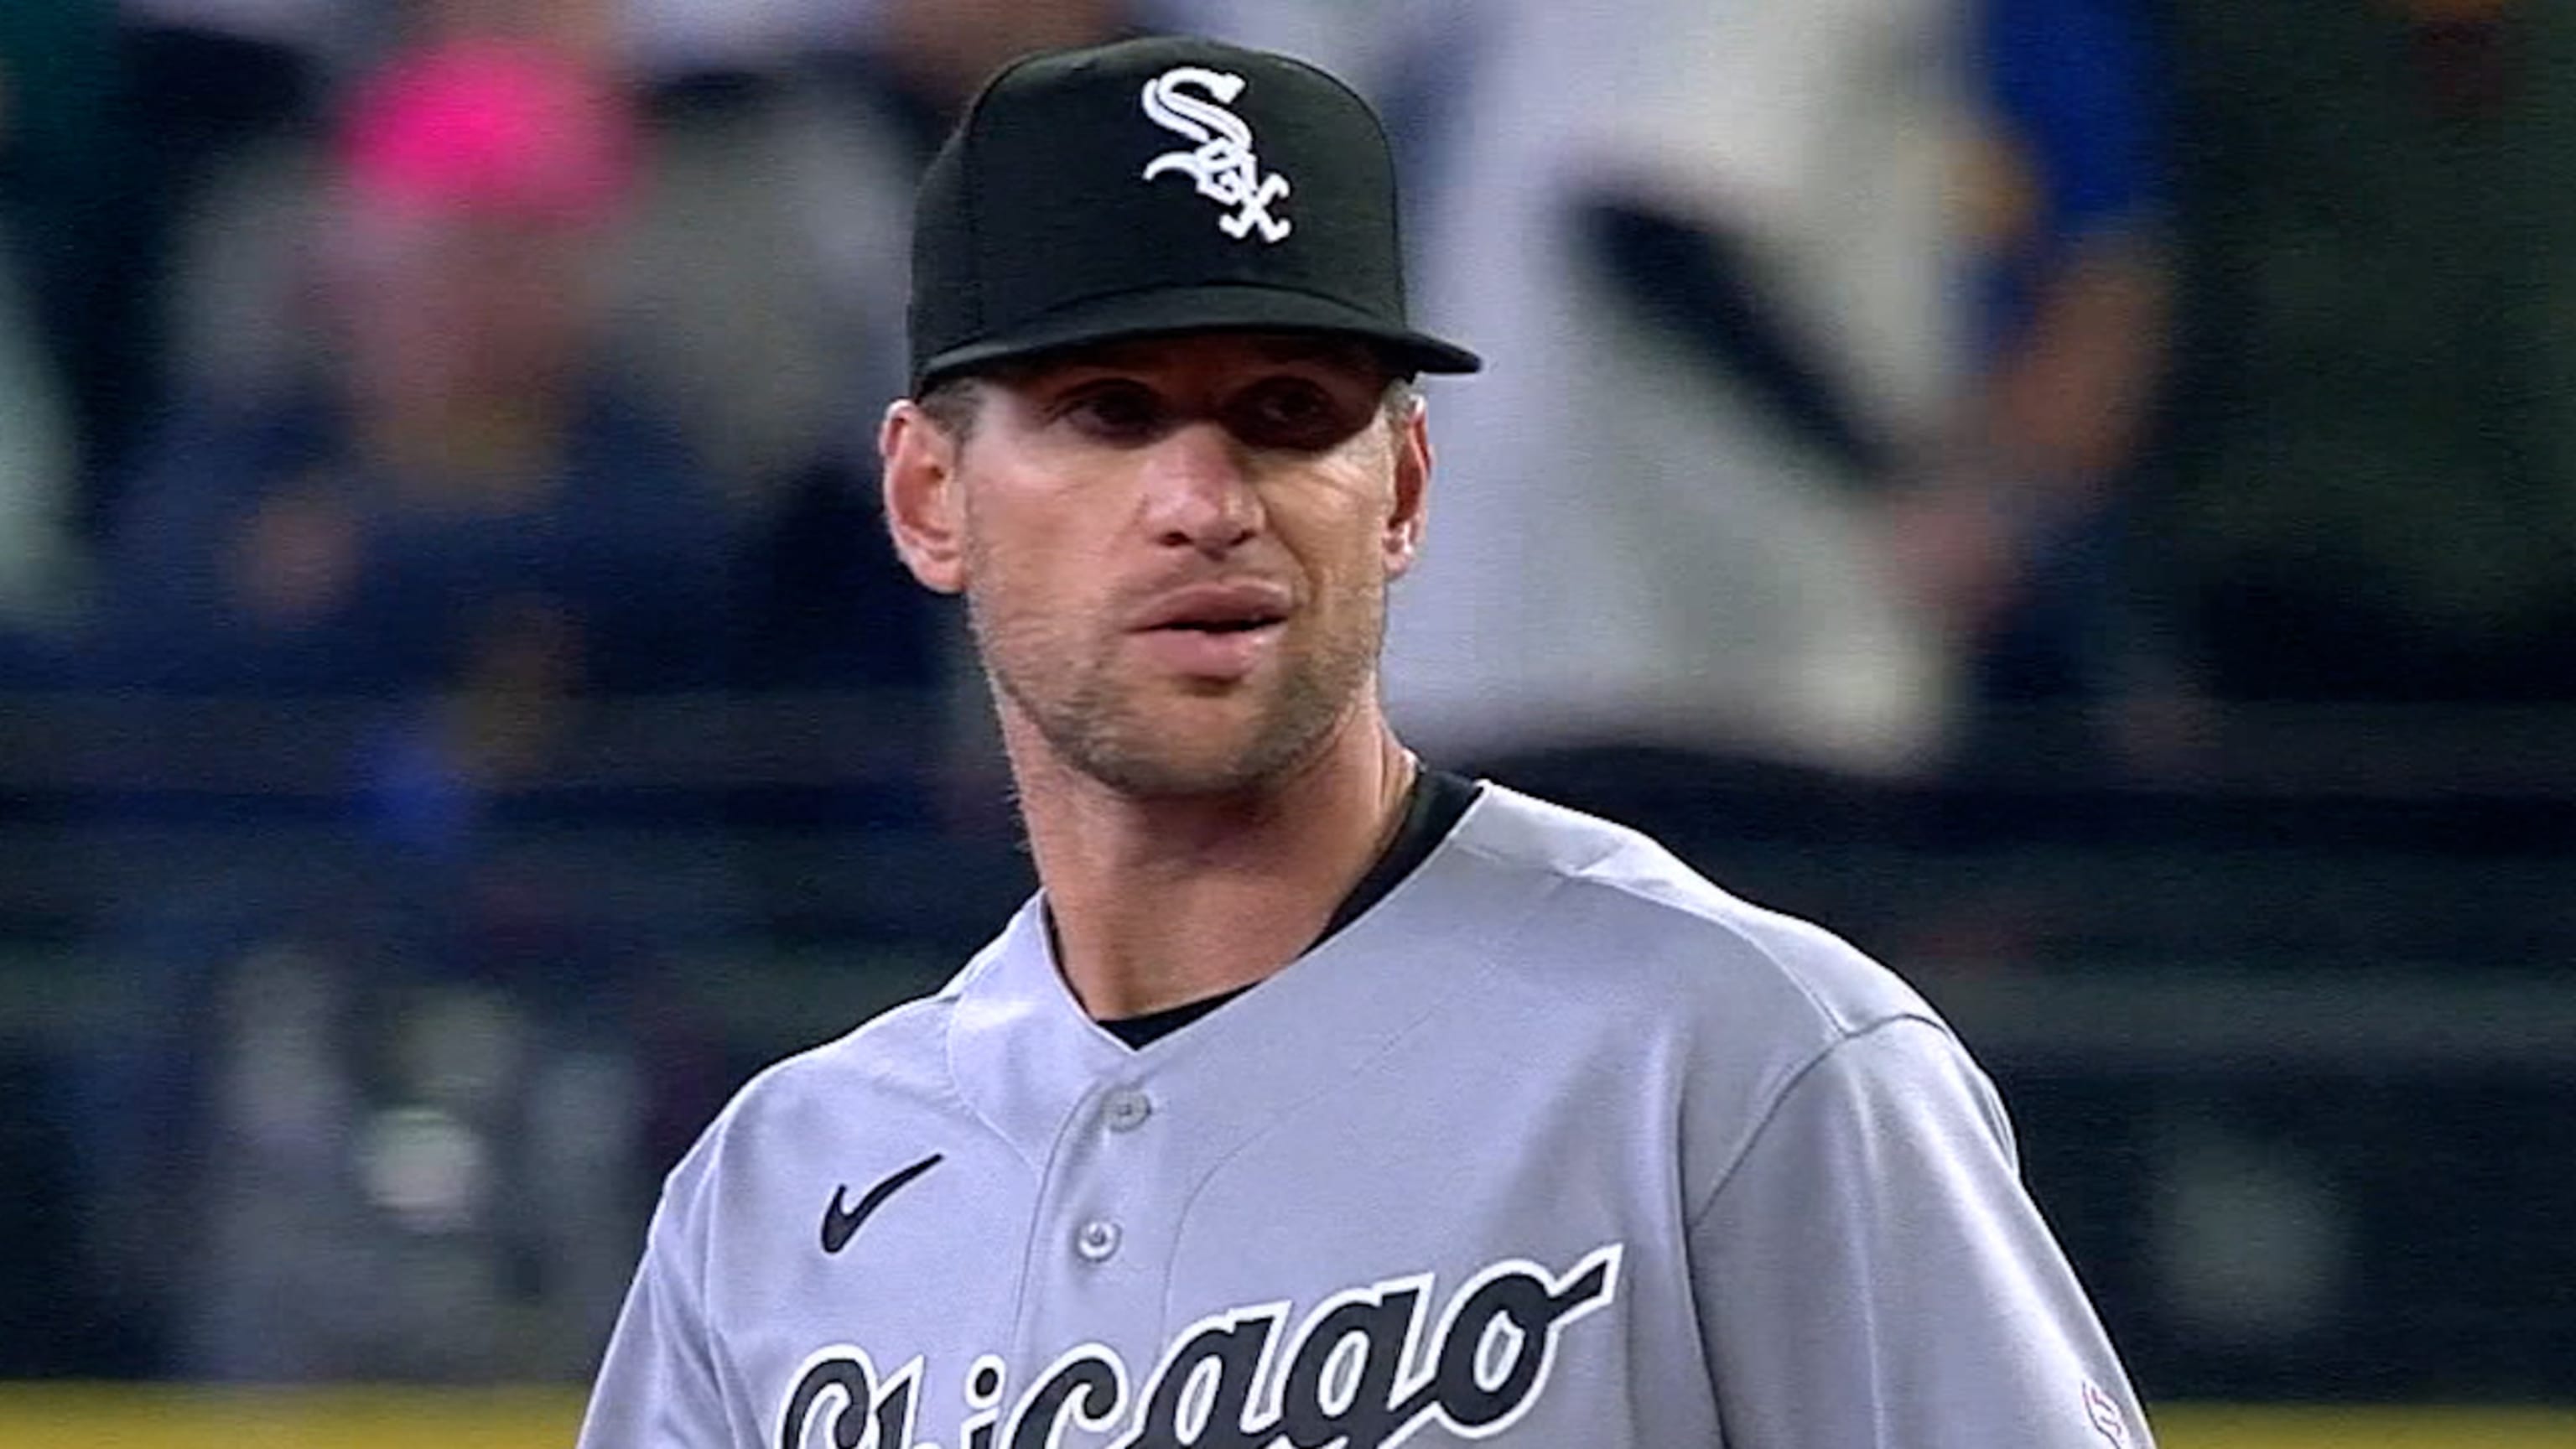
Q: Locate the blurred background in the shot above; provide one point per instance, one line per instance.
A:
(2078, 495)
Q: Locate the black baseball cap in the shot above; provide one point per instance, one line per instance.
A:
(1159, 185)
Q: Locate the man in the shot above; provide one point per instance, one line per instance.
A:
(1318, 1097)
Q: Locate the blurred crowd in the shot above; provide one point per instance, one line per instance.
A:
(431, 425)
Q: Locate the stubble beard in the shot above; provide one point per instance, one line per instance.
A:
(1108, 727)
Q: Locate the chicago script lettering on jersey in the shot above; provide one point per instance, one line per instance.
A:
(1223, 164)
(1358, 1371)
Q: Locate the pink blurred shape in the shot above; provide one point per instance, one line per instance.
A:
(492, 128)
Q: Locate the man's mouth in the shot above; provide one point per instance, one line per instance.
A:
(1216, 631)
(1219, 608)
(1223, 626)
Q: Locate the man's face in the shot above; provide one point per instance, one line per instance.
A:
(1175, 553)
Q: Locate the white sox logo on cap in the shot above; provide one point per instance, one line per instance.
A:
(1226, 168)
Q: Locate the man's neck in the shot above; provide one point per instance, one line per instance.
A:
(1160, 902)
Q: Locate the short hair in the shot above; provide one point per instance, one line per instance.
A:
(953, 404)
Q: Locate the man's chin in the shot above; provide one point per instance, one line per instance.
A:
(1180, 757)
(1170, 776)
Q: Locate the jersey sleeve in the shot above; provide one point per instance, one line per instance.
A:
(658, 1387)
(1872, 1272)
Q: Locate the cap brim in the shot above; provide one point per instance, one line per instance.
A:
(1175, 311)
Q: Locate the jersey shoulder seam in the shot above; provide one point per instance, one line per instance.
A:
(1788, 1088)
(818, 1057)
(1584, 874)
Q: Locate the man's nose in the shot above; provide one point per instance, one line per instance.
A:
(1198, 491)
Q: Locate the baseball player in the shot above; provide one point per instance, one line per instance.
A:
(1318, 1098)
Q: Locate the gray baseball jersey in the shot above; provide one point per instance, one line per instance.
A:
(1556, 1144)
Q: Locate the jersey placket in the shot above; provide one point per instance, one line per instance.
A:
(1106, 1217)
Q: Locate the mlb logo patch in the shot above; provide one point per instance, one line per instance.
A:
(2105, 1416)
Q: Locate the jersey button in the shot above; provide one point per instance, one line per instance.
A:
(1128, 1111)
(1097, 1240)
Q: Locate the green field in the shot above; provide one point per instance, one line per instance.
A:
(118, 1416)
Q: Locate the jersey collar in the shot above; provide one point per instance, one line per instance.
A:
(1030, 1062)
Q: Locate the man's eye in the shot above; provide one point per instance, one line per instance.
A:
(1296, 414)
(1114, 412)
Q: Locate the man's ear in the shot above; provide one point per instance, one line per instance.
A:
(923, 510)
(1412, 442)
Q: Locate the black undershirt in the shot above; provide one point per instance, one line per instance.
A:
(1431, 809)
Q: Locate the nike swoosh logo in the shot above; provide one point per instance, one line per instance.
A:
(840, 1221)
